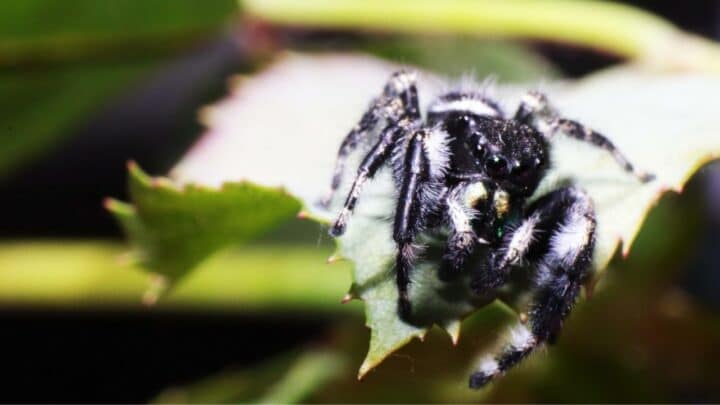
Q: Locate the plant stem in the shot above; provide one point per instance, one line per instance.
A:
(622, 30)
(93, 275)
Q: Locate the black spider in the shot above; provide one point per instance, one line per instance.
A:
(470, 169)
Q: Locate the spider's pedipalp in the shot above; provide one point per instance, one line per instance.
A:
(513, 249)
(564, 255)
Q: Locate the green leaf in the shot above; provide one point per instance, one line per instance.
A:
(640, 110)
(174, 229)
(55, 71)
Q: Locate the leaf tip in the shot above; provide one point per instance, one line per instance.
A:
(158, 286)
(107, 203)
(334, 258)
(117, 207)
(111, 204)
(364, 370)
(349, 297)
(132, 165)
(625, 249)
(455, 338)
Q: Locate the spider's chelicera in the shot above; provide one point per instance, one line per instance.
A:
(469, 168)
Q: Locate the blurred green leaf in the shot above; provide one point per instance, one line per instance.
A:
(46, 31)
(456, 56)
(633, 106)
(60, 61)
(288, 379)
(609, 26)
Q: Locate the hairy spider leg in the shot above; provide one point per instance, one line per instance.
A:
(535, 105)
(461, 203)
(408, 215)
(561, 246)
(377, 156)
(576, 130)
(367, 123)
(399, 99)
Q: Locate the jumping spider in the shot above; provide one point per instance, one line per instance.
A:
(470, 169)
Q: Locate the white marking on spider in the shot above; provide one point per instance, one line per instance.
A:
(569, 240)
(521, 338)
(488, 366)
(471, 105)
(438, 152)
(521, 239)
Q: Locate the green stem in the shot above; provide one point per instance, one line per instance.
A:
(92, 275)
(611, 27)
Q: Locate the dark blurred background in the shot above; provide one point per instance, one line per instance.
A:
(115, 356)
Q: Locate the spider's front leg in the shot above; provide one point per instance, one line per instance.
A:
(398, 99)
(351, 141)
(422, 176)
(535, 110)
(559, 237)
(408, 215)
(377, 156)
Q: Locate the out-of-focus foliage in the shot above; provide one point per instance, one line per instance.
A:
(458, 57)
(613, 27)
(60, 61)
(26, 23)
(288, 379)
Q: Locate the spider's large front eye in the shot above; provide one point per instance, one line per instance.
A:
(522, 168)
(496, 166)
(458, 125)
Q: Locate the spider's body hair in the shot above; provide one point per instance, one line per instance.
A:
(470, 169)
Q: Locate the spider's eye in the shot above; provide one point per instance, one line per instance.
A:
(496, 166)
(523, 168)
(459, 124)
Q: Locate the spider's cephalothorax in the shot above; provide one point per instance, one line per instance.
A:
(470, 169)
